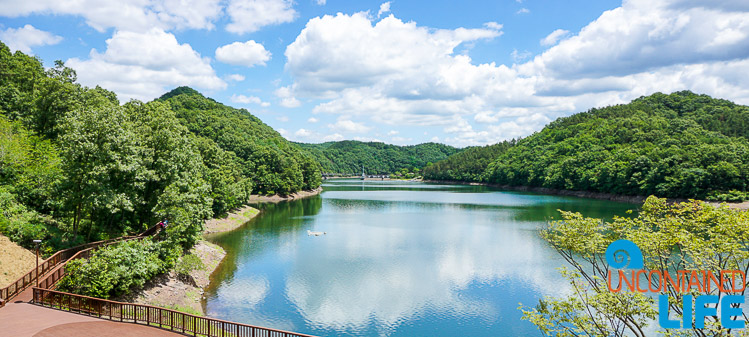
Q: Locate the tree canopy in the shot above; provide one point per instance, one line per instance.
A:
(689, 236)
(348, 156)
(76, 165)
(678, 145)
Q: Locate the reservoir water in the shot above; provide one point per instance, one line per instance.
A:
(398, 259)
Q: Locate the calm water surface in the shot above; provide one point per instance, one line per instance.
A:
(399, 259)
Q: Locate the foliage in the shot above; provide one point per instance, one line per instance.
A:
(23, 226)
(270, 162)
(679, 145)
(685, 236)
(467, 165)
(188, 263)
(347, 157)
(83, 167)
(114, 270)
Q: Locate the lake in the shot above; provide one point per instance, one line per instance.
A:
(398, 259)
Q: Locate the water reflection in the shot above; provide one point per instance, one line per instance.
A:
(399, 259)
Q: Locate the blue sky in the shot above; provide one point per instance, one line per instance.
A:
(402, 72)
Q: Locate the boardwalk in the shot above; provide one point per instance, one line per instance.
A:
(20, 319)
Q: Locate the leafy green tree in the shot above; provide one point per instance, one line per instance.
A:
(672, 237)
(270, 162)
(680, 145)
(100, 161)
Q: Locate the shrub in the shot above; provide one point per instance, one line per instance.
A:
(115, 270)
(188, 264)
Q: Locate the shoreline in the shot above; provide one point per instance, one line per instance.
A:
(634, 199)
(231, 221)
(187, 293)
(255, 198)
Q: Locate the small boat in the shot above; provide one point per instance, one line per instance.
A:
(311, 233)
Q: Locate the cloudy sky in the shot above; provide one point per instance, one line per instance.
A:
(404, 72)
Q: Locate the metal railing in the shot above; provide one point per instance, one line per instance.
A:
(166, 319)
(15, 288)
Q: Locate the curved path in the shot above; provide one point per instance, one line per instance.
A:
(20, 319)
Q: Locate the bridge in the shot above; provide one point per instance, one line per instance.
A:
(31, 306)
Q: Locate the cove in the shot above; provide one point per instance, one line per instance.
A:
(399, 259)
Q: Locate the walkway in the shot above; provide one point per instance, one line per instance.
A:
(28, 320)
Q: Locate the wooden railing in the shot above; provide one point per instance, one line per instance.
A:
(153, 316)
(15, 288)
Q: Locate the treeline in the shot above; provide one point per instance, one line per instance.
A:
(679, 145)
(272, 163)
(76, 165)
(467, 165)
(348, 156)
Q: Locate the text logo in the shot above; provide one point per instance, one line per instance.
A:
(626, 257)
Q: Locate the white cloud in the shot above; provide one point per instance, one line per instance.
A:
(234, 77)
(27, 37)
(248, 100)
(246, 54)
(302, 133)
(397, 73)
(518, 56)
(523, 11)
(349, 126)
(493, 25)
(248, 16)
(312, 120)
(393, 133)
(133, 15)
(305, 135)
(334, 53)
(144, 65)
(287, 98)
(321, 2)
(641, 36)
(400, 140)
(333, 137)
(282, 119)
(554, 37)
(384, 8)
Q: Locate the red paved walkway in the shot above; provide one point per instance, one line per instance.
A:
(28, 320)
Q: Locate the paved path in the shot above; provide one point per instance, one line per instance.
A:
(28, 320)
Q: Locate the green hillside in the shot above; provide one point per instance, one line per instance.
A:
(77, 166)
(348, 156)
(678, 145)
(272, 163)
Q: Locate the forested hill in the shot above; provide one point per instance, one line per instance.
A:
(76, 165)
(348, 156)
(678, 145)
(274, 164)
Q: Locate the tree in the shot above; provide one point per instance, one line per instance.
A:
(685, 236)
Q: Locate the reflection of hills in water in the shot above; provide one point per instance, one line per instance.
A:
(410, 260)
(519, 206)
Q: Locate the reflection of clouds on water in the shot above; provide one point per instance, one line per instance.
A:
(396, 262)
(393, 267)
(244, 293)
